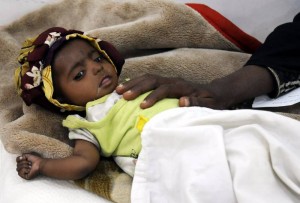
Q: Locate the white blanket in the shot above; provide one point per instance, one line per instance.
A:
(202, 155)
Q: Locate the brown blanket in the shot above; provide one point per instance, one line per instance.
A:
(156, 36)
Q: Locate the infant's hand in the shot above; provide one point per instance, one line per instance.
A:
(28, 166)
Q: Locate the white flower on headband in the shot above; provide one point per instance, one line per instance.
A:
(37, 77)
(52, 37)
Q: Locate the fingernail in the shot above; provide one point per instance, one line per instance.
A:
(128, 92)
(120, 85)
(184, 101)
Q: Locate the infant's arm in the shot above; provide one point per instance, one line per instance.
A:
(83, 161)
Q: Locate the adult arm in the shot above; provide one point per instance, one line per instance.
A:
(280, 54)
(83, 161)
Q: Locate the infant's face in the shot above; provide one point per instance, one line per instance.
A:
(82, 74)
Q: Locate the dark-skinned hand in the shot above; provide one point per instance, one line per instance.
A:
(188, 93)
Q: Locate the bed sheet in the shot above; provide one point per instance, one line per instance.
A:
(196, 154)
(257, 18)
(46, 190)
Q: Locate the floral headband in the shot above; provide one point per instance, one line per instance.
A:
(33, 77)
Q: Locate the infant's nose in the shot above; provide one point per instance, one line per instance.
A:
(97, 68)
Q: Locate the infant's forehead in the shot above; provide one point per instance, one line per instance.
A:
(71, 46)
(77, 43)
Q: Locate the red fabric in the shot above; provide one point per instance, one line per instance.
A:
(229, 30)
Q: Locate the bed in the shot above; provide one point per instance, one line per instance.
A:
(228, 26)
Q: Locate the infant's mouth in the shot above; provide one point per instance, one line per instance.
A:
(105, 81)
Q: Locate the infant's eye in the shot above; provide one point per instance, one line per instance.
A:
(79, 75)
(99, 58)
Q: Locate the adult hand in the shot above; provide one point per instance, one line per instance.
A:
(28, 166)
(189, 94)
